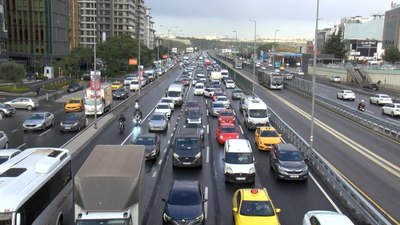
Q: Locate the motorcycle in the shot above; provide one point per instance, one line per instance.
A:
(361, 108)
(121, 127)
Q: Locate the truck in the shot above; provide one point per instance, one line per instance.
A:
(216, 75)
(108, 186)
(104, 100)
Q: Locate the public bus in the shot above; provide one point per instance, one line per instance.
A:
(238, 64)
(36, 187)
(271, 80)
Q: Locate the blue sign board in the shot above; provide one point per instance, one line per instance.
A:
(277, 64)
(261, 55)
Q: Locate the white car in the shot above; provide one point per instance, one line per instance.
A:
(3, 140)
(128, 80)
(322, 217)
(198, 89)
(224, 100)
(170, 101)
(230, 84)
(134, 85)
(163, 108)
(346, 94)
(392, 109)
(335, 79)
(380, 99)
(23, 103)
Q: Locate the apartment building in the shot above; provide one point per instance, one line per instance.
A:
(3, 32)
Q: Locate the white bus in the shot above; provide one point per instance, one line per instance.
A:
(36, 188)
(271, 80)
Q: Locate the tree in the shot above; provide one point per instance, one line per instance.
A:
(12, 72)
(391, 55)
(335, 45)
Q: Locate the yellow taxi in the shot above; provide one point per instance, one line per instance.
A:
(74, 105)
(253, 206)
(116, 85)
(266, 138)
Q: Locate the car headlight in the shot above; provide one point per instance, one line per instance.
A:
(228, 170)
(252, 170)
(166, 217)
(176, 156)
(198, 155)
(61, 124)
(75, 124)
(281, 168)
(199, 218)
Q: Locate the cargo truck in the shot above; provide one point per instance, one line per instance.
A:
(107, 187)
(104, 100)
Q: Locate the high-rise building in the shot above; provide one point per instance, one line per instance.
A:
(149, 34)
(73, 24)
(391, 28)
(38, 29)
(3, 32)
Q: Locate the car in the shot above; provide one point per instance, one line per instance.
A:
(238, 161)
(6, 110)
(300, 73)
(323, 217)
(158, 122)
(224, 101)
(371, 86)
(215, 107)
(74, 105)
(134, 85)
(192, 104)
(187, 149)
(335, 79)
(116, 85)
(392, 109)
(3, 140)
(163, 108)
(346, 94)
(196, 126)
(380, 99)
(8, 154)
(120, 93)
(208, 92)
(185, 81)
(23, 103)
(38, 121)
(266, 137)
(195, 80)
(237, 94)
(226, 131)
(74, 121)
(226, 116)
(230, 84)
(184, 203)
(254, 206)
(288, 163)
(198, 88)
(170, 102)
(193, 115)
(151, 144)
(217, 93)
(74, 88)
(128, 80)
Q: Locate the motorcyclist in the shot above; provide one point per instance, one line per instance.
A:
(137, 113)
(121, 118)
(361, 105)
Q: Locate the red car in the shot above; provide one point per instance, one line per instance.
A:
(185, 81)
(226, 116)
(216, 94)
(226, 131)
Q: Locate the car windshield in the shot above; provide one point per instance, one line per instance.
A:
(192, 104)
(237, 91)
(222, 99)
(218, 105)
(2, 105)
(115, 83)
(74, 101)
(238, 158)
(120, 90)
(3, 159)
(72, 116)
(228, 129)
(36, 117)
(135, 82)
(174, 93)
(166, 100)
(226, 113)
(258, 113)
(193, 113)
(187, 143)
(269, 133)
(144, 141)
(256, 208)
(157, 117)
(103, 222)
(184, 197)
(162, 106)
(290, 156)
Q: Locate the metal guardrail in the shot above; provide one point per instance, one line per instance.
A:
(362, 210)
(304, 87)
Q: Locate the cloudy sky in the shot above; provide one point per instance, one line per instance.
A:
(293, 18)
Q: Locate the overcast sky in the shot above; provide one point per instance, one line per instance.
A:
(293, 18)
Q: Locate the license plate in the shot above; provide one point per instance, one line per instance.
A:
(240, 178)
(67, 128)
(294, 176)
(186, 163)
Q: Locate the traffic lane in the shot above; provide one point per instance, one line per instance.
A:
(340, 151)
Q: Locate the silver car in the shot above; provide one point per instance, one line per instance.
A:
(3, 140)
(38, 121)
(158, 122)
(6, 110)
(215, 107)
(23, 103)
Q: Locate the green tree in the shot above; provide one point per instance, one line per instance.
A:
(392, 55)
(72, 63)
(335, 45)
(12, 72)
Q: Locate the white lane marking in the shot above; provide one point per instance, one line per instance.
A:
(159, 162)
(172, 134)
(392, 120)
(323, 192)
(206, 101)
(208, 129)
(208, 154)
(165, 150)
(241, 129)
(206, 203)
(14, 130)
(19, 147)
(47, 131)
(154, 174)
(207, 112)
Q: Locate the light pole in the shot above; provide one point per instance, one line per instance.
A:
(95, 72)
(234, 60)
(254, 51)
(139, 69)
(313, 77)
(275, 39)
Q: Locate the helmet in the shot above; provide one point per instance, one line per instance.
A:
(136, 105)
(362, 100)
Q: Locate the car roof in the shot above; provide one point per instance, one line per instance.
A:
(254, 194)
(9, 151)
(267, 128)
(330, 218)
(152, 135)
(185, 184)
(286, 147)
(238, 145)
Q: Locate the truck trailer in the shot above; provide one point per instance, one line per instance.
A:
(107, 187)
(104, 100)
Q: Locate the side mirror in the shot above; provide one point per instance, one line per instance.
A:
(165, 200)
(235, 210)
(277, 210)
(280, 135)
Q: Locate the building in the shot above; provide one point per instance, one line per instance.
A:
(3, 33)
(322, 36)
(73, 24)
(37, 30)
(149, 34)
(391, 29)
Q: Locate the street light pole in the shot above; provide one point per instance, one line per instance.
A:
(313, 78)
(95, 72)
(254, 52)
(275, 39)
(234, 60)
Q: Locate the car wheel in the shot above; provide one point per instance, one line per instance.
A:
(337, 96)
(6, 145)
(29, 107)
(44, 126)
(276, 175)
(392, 114)
(52, 122)
(383, 112)
(370, 101)
(2, 113)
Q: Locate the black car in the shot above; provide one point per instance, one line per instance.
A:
(197, 128)
(184, 203)
(151, 143)
(120, 93)
(373, 87)
(288, 163)
(74, 121)
(74, 87)
(187, 147)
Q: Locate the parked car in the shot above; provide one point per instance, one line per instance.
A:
(254, 206)
(23, 103)
(151, 144)
(346, 94)
(120, 93)
(322, 217)
(38, 121)
(380, 99)
(335, 79)
(392, 109)
(8, 154)
(158, 122)
(74, 88)
(371, 86)
(73, 122)
(184, 203)
(288, 163)
(6, 110)
(3, 140)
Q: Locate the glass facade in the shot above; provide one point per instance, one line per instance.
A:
(391, 29)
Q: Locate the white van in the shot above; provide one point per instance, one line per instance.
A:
(255, 112)
(239, 161)
(175, 92)
(215, 75)
(198, 88)
(224, 74)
